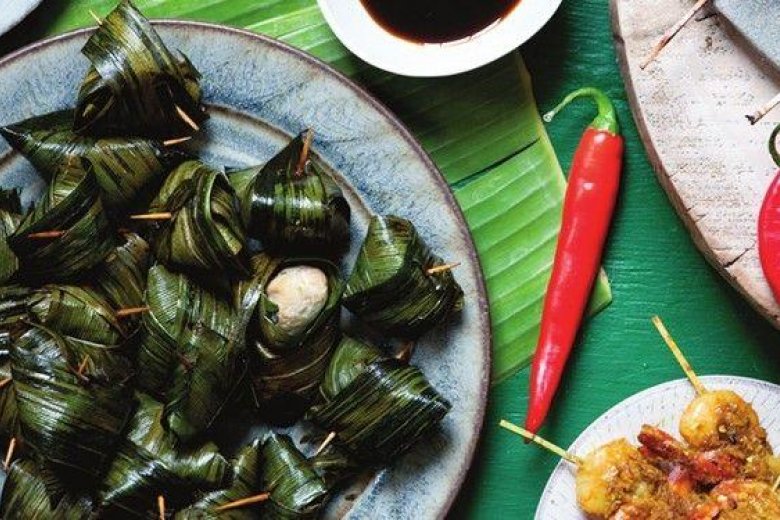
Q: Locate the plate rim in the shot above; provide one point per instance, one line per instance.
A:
(482, 303)
(719, 380)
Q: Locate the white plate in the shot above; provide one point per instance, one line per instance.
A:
(358, 31)
(14, 11)
(659, 406)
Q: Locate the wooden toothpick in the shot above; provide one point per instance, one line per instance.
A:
(759, 114)
(178, 140)
(672, 32)
(325, 443)
(163, 215)
(442, 268)
(131, 311)
(248, 501)
(9, 454)
(406, 352)
(186, 118)
(776, 484)
(83, 365)
(46, 234)
(307, 139)
(161, 506)
(565, 455)
(678, 355)
(5, 382)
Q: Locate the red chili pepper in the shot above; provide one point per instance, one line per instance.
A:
(587, 211)
(769, 225)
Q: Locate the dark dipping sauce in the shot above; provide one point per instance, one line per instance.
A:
(437, 21)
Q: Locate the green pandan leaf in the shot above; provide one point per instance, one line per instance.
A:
(206, 231)
(72, 205)
(136, 86)
(122, 276)
(297, 492)
(123, 166)
(26, 495)
(390, 287)
(292, 205)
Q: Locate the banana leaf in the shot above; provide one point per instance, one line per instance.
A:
(381, 410)
(292, 205)
(211, 369)
(25, 496)
(9, 414)
(71, 420)
(247, 469)
(122, 276)
(72, 204)
(136, 86)
(390, 287)
(123, 166)
(286, 369)
(206, 231)
(176, 305)
(297, 492)
(149, 462)
(10, 217)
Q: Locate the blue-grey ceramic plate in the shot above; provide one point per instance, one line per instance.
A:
(757, 22)
(260, 93)
(14, 11)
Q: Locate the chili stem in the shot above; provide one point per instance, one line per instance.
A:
(678, 355)
(774, 151)
(671, 33)
(565, 455)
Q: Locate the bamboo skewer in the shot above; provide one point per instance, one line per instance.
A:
(83, 366)
(307, 139)
(759, 114)
(161, 506)
(163, 215)
(325, 443)
(776, 484)
(248, 501)
(9, 454)
(5, 382)
(178, 140)
(671, 33)
(130, 311)
(442, 268)
(186, 118)
(565, 455)
(678, 355)
(46, 234)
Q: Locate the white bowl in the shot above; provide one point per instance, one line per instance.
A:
(362, 35)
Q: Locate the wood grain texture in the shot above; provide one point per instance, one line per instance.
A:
(689, 106)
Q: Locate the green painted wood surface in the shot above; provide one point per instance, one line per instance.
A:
(653, 267)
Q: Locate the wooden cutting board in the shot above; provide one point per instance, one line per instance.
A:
(690, 106)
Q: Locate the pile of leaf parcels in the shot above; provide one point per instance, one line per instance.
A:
(133, 314)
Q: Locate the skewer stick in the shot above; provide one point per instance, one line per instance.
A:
(248, 501)
(565, 455)
(307, 139)
(178, 140)
(46, 234)
(684, 364)
(161, 506)
(131, 311)
(759, 114)
(83, 365)
(186, 118)
(405, 354)
(325, 443)
(9, 454)
(95, 17)
(671, 33)
(163, 215)
(442, 268)
(5, 382)
(776, 484)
